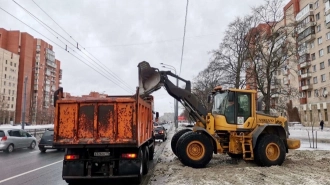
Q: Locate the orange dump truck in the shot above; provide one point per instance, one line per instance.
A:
(108, 137)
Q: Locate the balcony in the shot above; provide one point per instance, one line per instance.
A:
(307, 87)
(303, 100)
(306, 11)
(304, 64)
(305, 26)
(327, 7)
(306, 75)
(308, 38)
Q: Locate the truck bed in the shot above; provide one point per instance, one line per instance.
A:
(124, 121)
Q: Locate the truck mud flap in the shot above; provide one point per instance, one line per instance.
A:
(129, 167)
(73, 168)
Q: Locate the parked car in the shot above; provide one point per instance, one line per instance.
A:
(46, 141)
(160, 132)
(11, 139)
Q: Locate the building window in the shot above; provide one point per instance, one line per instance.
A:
(328, 35)
(312, 44)
(5, 68)
(14, 64)
(12, 106)
(322, 65)
(4, 82)
(323, 78)
(11, 63)
(8, 98)
(321, 52)
(316, 93)
(9, 84)
(328, 49)
(318, 28)
(6, 61)
(313, 56)
(4, 90)
(314, 68)
(319, 40)
(309, 94)
(5, 76)
(13, 92)
(325, 115)
(317, 16)
(315, 80)
(316, 5)
(8, 91)
(12, 99)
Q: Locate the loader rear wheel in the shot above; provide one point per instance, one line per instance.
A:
(270, 150)
(194, 149)
(176, 137)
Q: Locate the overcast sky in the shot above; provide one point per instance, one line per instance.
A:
(122, 33)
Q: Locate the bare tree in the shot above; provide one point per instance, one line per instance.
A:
(205, 82)
(270, 50)
(232, 52)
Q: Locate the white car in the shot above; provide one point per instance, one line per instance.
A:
(11, 139)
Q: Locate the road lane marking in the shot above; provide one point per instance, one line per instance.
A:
(33, 152)
(13, 177)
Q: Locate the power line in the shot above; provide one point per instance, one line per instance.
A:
(109, 71)
(61, 47)
(151, 42)
(184, 35)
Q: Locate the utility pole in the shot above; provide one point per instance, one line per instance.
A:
(24, 100)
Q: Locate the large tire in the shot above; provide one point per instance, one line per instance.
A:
(140, 174)
(176, 137)
(146, 160)
(194, 149)
(270, 150)
(42, 150)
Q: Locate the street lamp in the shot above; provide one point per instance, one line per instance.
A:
(175, 101)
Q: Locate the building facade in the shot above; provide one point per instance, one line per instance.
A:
(38, 65)
(9, 64)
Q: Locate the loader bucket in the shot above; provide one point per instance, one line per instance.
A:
(149, 79)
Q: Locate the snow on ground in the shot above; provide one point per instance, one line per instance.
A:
(303, 166)
(28, 127)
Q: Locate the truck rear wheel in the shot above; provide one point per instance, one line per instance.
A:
(176, 137)
(146, 160)
(142, 158)
(270, 150)
(194, 149)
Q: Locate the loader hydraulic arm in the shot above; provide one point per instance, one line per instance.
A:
(151, 79)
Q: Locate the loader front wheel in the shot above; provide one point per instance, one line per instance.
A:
(176, 137)
(195, 149)
(270, 150)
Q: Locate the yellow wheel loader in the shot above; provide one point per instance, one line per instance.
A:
(233, 126)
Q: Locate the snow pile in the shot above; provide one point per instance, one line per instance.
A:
(28, 127)
(300, 167)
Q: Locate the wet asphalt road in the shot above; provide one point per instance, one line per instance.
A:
(30, 167)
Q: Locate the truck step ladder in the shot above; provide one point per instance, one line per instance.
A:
(247, 147)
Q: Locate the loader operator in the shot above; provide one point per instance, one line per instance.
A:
(230, 112)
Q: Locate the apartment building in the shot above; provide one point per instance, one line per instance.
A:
(36, 62)
(9, 63)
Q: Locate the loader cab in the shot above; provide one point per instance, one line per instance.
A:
(235, 106)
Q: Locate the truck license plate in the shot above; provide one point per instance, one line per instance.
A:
(101, 153)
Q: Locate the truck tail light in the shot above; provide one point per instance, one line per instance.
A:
(4, 138)
(129, 156)
(71, 157)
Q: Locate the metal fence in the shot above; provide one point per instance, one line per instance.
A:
(37, 133)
